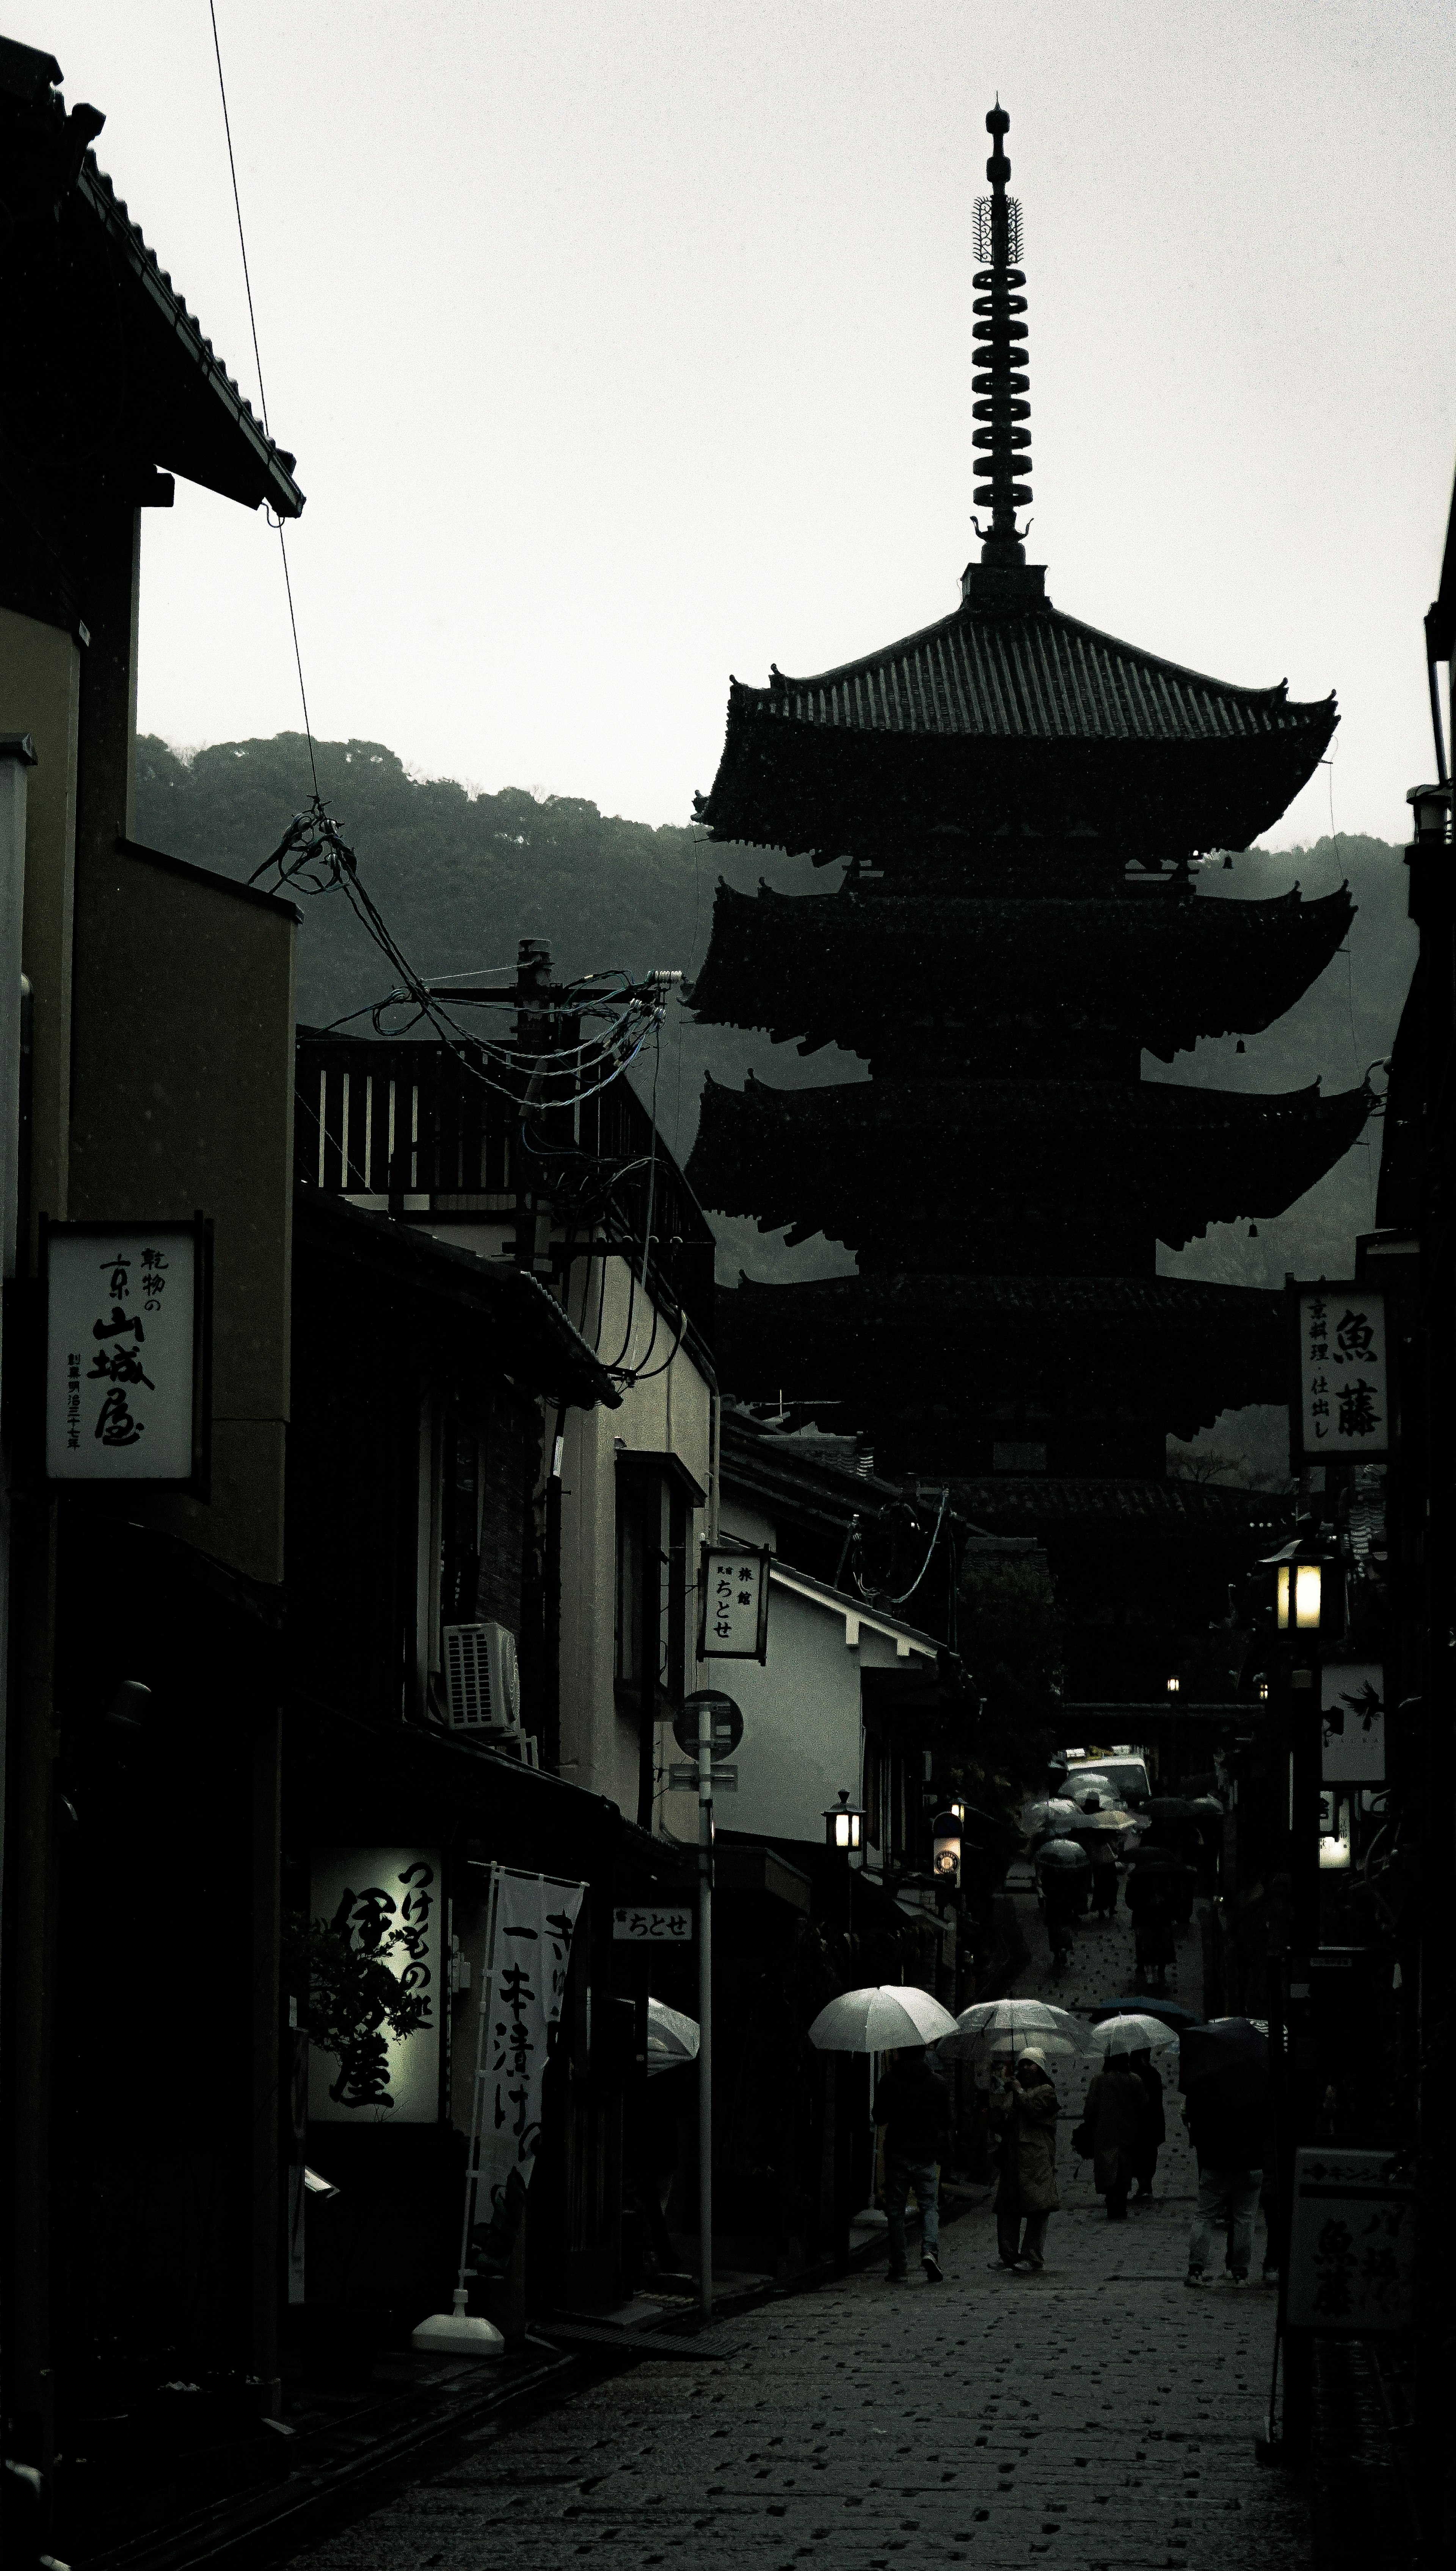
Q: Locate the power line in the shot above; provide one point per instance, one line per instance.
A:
(261, 389)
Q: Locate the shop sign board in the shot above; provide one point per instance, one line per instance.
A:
(387, 1902)
(1352, 1726)
(650, 1924)
(1352, 2242)
(1342, 1408)
(733, 1616)
(127, 1351)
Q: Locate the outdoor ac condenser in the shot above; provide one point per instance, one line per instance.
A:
(482, 1682)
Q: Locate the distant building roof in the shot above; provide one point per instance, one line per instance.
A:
(952, 726)
(864, 969)
(970, 1156)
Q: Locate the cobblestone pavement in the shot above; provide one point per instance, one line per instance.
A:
(1100, 2414)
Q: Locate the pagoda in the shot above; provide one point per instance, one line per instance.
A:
(1017, 804)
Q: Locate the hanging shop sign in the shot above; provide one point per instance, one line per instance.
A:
(732, 1613)
(1351, 2242)
(652, 1923)
(1341, 1408)
(386, 1902)
(532, 1921)
(128, 1342)
(1352, 1726)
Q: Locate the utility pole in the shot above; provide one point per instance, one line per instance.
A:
(704, 2003)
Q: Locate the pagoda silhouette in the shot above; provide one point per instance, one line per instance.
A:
(1018, 803)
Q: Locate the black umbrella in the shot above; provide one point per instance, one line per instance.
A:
(1225, 2044)
(1172, 1808)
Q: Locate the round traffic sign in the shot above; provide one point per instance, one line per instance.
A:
(727, 1722)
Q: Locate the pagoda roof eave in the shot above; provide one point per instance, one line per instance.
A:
(831, 968)
(959, 1349)
(1180, 1156)
(952, 725)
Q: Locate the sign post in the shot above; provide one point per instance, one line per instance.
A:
(704, 2003)
(709, 1724)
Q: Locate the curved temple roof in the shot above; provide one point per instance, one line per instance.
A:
(858, 969)
(951, 727)
(867, 1351)
(969, 1153)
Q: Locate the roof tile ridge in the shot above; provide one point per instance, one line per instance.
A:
(1143, 652)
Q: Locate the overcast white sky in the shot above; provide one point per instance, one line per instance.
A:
(624, 344)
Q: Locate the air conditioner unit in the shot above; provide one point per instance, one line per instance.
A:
(482, 1680)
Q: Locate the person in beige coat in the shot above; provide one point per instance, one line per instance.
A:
(1024, 2112)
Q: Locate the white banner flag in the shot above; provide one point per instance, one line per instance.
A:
(533, 1920)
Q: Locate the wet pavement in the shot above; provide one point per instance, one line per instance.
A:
(1098, 2414)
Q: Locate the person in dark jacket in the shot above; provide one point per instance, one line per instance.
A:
(912, 2129)
(1227, 2114)
(1111, 2131)
(1024, 2110)
(1152, 2132)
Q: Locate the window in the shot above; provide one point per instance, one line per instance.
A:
(459, 1522)
(656, 1498)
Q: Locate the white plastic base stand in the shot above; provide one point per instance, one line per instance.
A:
(456, 2334)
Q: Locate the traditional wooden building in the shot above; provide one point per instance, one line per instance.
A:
(1018, 804)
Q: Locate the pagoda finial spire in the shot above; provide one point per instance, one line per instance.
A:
(1000, 383)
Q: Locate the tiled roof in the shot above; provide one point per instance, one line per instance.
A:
(1014, 728)
(860, 969)
(1041, 676)
(1039, 1502)
(882, 1349)
(273, 464)
(968, 1153)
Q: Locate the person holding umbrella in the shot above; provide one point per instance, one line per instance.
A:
(1024, 2111)
(912, 2130)
(1112, 2130)
(1153, 2133)
(1224, 2072)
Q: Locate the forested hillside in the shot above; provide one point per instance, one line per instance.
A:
(461, 877)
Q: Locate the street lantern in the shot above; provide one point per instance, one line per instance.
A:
(844, 1825)
(1174, 1685)
(1430, 807)
(945, 1846)
(1298, 1588)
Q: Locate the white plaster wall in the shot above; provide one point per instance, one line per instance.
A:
(670, 1413)
(802, 1724)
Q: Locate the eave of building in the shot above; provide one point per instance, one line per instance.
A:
(859, 1617)
(1185, 1156)
(837, 967)
(984, 722)
(948, 1352)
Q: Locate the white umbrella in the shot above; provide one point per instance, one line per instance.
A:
(1047, 1812)
(1131, 2034)
(671, 2037)
(880, 2020)
(1009, 2026)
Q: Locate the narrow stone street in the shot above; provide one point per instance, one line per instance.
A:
(1098, 2414)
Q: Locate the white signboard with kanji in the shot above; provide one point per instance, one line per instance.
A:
(1352, 1730)
(533, 1920)
(733, 1623)
(1342, 1410)
(654, 1923)
(123, 1350)
(1352, 2242)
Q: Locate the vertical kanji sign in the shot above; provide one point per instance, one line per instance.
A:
(126, 1313)
(1342, 1406)
(733, 1613)
(528, 1955)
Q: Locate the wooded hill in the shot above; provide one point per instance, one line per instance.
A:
(461, 877)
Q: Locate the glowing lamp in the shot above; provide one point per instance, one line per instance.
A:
(945, 1846)
(844, 1825)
